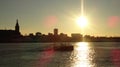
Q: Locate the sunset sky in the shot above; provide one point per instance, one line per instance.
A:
(45, 15)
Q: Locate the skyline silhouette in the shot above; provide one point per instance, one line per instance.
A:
(55, 32)
(16, 36)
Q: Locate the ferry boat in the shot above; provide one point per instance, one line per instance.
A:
(63, 47)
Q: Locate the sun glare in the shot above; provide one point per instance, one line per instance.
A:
(83, 53)
(82, 46)
(82, 21)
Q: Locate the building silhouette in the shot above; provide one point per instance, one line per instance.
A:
(55, 31)
(17, 27)
(8, 35)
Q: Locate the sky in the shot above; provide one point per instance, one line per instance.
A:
(45, 15)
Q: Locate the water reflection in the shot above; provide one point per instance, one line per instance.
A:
(83, 55)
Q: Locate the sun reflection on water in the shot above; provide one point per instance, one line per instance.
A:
(83, 55)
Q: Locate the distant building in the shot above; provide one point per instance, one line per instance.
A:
(7, 34)
(50, 34)
(17, 27)
(76, 35)
(55, 31)
(38, 34)
(63, 35)
(31, 34)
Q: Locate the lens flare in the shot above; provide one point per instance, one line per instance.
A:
(113, 21)
(50, 21)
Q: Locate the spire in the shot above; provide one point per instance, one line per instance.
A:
(17, 26)
(17, 23)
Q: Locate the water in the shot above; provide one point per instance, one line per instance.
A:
(85, 54)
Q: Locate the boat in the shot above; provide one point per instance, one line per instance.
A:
(63, 47)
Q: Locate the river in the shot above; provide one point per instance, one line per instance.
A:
(85, 54)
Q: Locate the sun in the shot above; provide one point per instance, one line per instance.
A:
(82, 21)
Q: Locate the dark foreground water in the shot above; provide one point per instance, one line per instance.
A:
(85, 54)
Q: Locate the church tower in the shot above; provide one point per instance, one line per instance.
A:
(17, 26)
